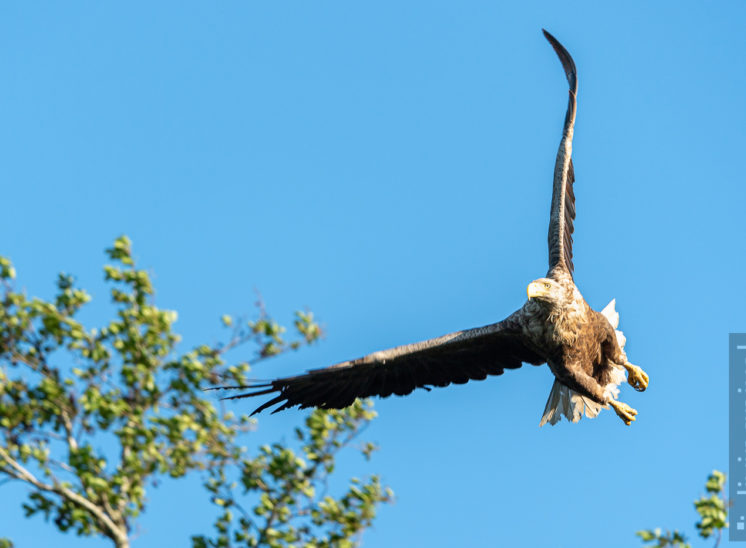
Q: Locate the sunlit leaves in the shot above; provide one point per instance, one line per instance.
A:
(713, 511)
(306, 325)
(715, 482)
(661, 539)
(7, 272)
(292, 508)
(64, 387)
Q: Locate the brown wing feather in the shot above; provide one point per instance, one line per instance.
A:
(562, 212)
(454, 358)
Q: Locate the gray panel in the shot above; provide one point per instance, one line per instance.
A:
(737, 437)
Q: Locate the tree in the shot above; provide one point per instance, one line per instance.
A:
(713, 513)
(66, 390)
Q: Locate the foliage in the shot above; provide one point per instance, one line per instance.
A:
(67, 390)
(660, 539)
(713, 510)
(713, 513)
(290, 508)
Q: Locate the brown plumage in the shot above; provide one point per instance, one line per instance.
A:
(555, 326)
(562, 213)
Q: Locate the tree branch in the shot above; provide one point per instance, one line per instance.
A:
(114, 531)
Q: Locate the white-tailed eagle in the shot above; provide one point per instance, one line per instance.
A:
(555, 326)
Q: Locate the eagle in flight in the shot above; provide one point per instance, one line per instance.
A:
(555, 326)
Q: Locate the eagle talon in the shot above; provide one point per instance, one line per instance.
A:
(636, 377)
(625, 412)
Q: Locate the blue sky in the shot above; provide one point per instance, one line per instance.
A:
(388, 165)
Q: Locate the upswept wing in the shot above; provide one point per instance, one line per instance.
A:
(562, 212)
(454, 358)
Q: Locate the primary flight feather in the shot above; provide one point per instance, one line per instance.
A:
(556, 326)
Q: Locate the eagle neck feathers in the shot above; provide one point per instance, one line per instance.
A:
(557, 325)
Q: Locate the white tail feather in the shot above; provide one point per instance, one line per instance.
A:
(611, 314)
(564, 401)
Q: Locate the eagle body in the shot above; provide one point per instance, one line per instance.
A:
(555, 326)
(580, 345)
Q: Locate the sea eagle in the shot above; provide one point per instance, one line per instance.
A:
(555, 326)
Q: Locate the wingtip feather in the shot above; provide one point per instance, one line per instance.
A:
(237, 386)
(566, 59)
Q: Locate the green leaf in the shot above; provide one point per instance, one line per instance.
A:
(126, 409)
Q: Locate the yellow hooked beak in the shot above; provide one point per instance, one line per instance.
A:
(536, 289)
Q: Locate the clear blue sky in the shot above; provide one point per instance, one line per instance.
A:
(388, 164)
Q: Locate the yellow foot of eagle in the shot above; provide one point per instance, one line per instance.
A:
(636, 377)
(625, 412)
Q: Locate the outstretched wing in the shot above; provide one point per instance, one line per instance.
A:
(453, 358)
(562, 213)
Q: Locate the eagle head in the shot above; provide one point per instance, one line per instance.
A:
(546, 290)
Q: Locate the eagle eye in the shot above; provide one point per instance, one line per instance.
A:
(547, 285)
